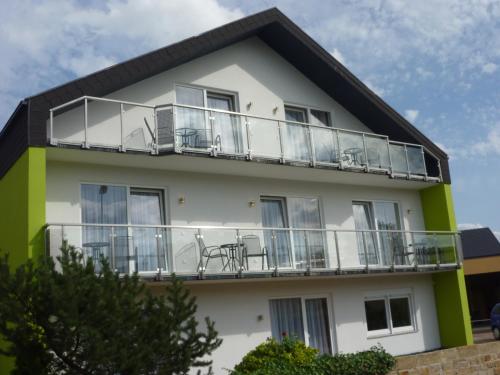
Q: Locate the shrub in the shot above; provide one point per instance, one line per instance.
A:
(292, 357)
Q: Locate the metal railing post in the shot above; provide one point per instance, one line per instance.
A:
(438, 260)
(158, 257)
(211, 120)
(122, 132)
(282, 145)
(240, 251)
(275, 251)
(365, 152)
(156, 144)
(391, 169)
(365, 250)
(308, 252)
(201, 268)
(312, 149)
(423, 160)
(407, 161)
(459, 257)
(51, 127)
(341, 162)
(112, 255)
(85, 122)
(249, 139)
(415, 254)
(337, 251)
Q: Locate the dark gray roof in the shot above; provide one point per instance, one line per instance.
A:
(275, 29)
(478, 243)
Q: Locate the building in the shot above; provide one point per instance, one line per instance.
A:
(481, 251)
(250, 162)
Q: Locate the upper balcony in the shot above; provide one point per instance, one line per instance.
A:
(104, 124)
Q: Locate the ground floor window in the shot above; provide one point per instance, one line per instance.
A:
(287, 319)
(389, 314)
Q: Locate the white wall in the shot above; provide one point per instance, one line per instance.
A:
(220, 200)
(249, 68)
(236, 308)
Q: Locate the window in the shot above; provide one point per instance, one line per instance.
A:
(294, 212)
(307, 115)
(389, 315)
(135, 246)
(287, 320)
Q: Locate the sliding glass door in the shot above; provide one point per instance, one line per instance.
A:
(146, 208)
(191, 124)
(227, 127)
(366, 241)
(274, 216)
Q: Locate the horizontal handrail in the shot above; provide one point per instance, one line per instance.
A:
(248, 117)
(209, 227)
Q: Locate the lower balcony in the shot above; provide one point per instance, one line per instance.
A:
(155, 252)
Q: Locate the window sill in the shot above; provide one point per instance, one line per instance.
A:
(389, 334)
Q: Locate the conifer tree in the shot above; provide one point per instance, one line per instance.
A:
(68, 319)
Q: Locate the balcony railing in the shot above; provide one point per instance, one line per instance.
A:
(157, 251)
(108, 123)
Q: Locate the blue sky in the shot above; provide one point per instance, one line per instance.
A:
(436, 62)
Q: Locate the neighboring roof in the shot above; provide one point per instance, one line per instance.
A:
(275, 29)
(478, 243)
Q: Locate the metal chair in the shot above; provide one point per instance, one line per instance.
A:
(252, 248)
(211, 252)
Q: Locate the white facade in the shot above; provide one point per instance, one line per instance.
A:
(227, 193)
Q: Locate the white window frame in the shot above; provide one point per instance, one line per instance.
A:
(391, 330)
(303, 298)
(206, 90)
(307, 110)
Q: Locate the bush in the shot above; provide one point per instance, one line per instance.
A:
(292, 357)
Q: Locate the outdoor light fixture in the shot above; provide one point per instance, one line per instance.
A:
(275, 109)
(249, 105)
(251, 204)
(182, 200)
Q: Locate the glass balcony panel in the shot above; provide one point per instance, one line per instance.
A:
(257, 250)
(325, 145)
(296, 142)
(185, 250)
(138, 127)
(309, 249)
(398, 158)
(351, 250)
(68, 125)
(446, 245)
(377, 151)
(416, 160)
(264, 138)
(192, 129)
(220, 251)
(352, 149)
(149, 247)
(229, 133)
(165, 124)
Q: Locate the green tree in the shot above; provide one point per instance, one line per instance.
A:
(67, 319)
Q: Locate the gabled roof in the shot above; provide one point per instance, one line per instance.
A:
(275, 29)
(479, 243)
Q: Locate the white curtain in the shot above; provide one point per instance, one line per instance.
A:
(191, 128)
(318, 325)
(366, 240)
(304, 213)
(295, 137)
(149, 243)
(104, 204)
(286, 318)
(392, 244)
(273, 216)
(227, 127)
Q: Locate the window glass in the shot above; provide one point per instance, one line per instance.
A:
(318, 325)
(189, 96)
(286, 318)
(319, 118)
(376, 316)
(400, 312)
(295, 114)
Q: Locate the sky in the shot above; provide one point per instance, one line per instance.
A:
(437, 62)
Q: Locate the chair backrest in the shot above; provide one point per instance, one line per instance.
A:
(252, 244)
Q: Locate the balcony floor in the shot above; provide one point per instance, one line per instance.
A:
(230, 165)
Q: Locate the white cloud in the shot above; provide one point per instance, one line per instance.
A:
(338, 55)
(59, 40)
(411, 114)
(488, 146)
(489, 68)
(376, 89)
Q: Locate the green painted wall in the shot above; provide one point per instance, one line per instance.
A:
(449, 287)
(22, 213)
